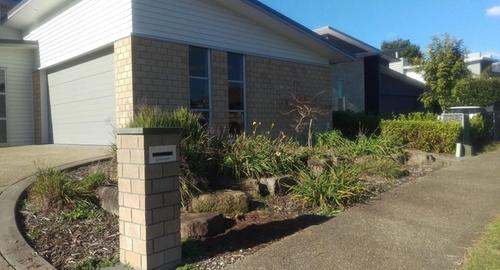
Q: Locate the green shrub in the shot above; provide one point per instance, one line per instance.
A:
(333, 188)
(476, 92)
(93, 181)
(417, 116)
(352, 123)
(81, 211)
(481, 130)
(429, 136)
(259, 156)
(53, 188)
(92, 263)
(362, 146)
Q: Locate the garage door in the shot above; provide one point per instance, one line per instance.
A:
(82, 102)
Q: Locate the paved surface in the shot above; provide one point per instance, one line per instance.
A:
(427, 224)
(22, 161)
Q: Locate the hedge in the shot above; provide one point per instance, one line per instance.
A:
(425, 135)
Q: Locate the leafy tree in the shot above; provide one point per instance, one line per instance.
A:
(404, 48)
(443, 67)
(477, 92)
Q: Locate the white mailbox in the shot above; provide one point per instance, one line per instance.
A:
(162, 154)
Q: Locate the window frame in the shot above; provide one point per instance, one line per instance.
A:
(244, 83)
(4, 70)
(208, 79)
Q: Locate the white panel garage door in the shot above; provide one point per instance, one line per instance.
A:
(82, 103)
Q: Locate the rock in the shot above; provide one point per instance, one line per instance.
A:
(108, 195)
(251, 187)
(197, 226)
(416, 158)
(228, 202)
(317, 166)
(277, 185)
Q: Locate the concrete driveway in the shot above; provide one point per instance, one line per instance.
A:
(22, 161)
(427, 224)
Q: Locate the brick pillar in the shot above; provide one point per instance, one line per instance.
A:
(149, 198)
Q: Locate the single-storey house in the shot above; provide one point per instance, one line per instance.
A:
(367, 83)
(72, 71)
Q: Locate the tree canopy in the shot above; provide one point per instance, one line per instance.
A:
(404, 48)
(443, 67)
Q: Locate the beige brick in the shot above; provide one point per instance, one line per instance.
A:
(152, 231)
(123, 155)
(137, 156)
(140, 246)
(172, 226)
(154, 260)
(129, 141)
(124, 185)
(131, 171)
(126, 243)
(132, 200)
(172, 198)
(142, 217)
(132, 230)
(173, 254)
(140, 187)
(125, 213)
(153, 201)
(133, 259)
(164, 243)
(163, 214)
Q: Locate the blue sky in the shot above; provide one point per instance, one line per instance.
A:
(477, 22)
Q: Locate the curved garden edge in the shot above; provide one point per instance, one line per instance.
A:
(13, 247)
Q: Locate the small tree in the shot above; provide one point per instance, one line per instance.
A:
(306, 111)
(404, 48)
(443, 67)
(477, 92)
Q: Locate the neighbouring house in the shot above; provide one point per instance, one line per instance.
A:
(367, 83)
(72, 71)
(477, 63)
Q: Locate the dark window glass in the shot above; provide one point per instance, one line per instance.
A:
(199, 94)
(235, 95)
(2, 106)
(3, 131)
(198, 62)
(2, 81)
(236, 122)
(235, 67)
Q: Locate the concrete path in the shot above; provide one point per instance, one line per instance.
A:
(22, 161)
(427, 224)
(17, 163)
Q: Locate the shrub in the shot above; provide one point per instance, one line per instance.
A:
(352, 123)
(384, 167)
(362, 146)
(417, 116)
(259, 156)
(481, 130)
(53, 188)
(430, 136)
(476, 92)
(331, 189)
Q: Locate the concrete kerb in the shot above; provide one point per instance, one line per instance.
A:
(13, 247)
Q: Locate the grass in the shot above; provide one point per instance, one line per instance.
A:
(485, 255)
(92, 263)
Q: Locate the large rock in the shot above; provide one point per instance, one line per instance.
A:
(228, 202)
(253, 188)
(277, 185)
(417, 158)
(198, 226)
(318, 165)
(108, 195)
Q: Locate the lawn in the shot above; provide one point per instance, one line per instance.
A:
(485, 255)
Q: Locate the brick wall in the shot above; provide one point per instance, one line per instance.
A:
(37, 107)
(269, 84)
(157, 72)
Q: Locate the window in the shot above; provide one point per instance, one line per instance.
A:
(340, 95)
(199, 81)
(236, 92)
(3, 109)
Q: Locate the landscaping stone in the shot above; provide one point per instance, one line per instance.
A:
(277, 185)
(108, 196)
(227, 202)
(198, 226)
(251, 187)
(317, 165)
(416, 158)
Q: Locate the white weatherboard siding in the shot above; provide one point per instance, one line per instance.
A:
(82, 28)
(82, 103)
(206, 23)
(9, 33)
(18, 64)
